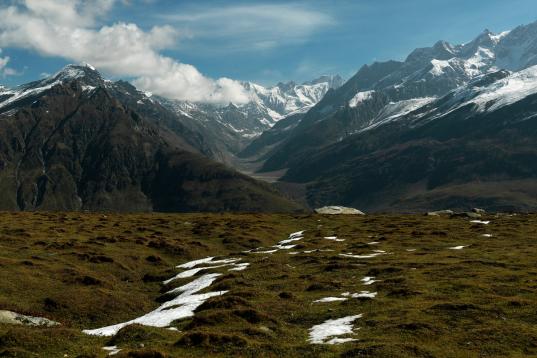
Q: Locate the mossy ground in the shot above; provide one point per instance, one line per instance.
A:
(90, 270)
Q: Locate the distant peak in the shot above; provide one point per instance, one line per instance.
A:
(231, 105)
(285, 86)
(73, 72)
(90, 66)
(334, 81)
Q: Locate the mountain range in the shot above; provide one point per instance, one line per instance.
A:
(75, 141)
(231, 127)
(450, 126)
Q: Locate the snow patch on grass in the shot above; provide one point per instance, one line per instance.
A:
(192, 272)
(368, 256)
(195, 263)
(282, 245)
(369, 280)
(330, 299)
(112, 350)
(181, 306)
(329, 331)
(480, 222)
(362, 294)
(240, 267)
(333, 238)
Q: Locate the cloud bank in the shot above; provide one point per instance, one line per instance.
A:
(252, 27)
(68, 29)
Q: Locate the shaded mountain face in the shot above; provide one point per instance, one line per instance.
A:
(382, 90)
(77, 142)
(441, 129)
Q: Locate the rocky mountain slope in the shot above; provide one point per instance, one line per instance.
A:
(381, 90)
(473, 147)
(77, 142)
(365, 133)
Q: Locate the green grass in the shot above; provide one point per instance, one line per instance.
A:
(91, 270)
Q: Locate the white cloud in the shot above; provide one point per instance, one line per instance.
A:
(3, 61)
(253, 27)
(4, 70)
(68, 12)
(66, 28)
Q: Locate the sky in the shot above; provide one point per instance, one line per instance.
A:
(200, 50)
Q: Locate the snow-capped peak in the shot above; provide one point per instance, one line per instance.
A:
(498, 37)
(89, 79)
(267, 105)
(286, 98)
(72, 72)
(90, 66)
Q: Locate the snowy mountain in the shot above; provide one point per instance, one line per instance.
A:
(289, 98)
(267, 106)
(449, 121)
(487, 94)
(382, 91)
(475, 146)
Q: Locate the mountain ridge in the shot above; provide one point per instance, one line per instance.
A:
(77, 142)
(368, 126)
(426, 73)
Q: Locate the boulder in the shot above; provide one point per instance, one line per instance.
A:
(440, 212)
(470, 215)
(338, 210)
(478, 211)
(9, 317)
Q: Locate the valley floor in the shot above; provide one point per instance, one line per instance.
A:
(197, 285)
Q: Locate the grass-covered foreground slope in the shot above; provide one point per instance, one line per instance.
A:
(422, 286)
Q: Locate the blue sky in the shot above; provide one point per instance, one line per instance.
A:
(261, 41)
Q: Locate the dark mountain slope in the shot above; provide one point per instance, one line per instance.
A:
(372, 95)
(69, 145)
(465, 157)
(271, 137)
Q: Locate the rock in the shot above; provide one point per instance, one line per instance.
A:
(338, 210)
(467, 215)
(8, 317)
(478, 211)
(440, 212)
